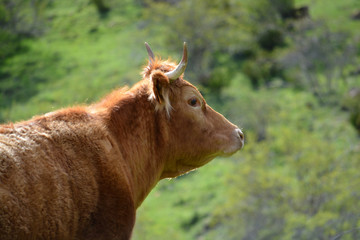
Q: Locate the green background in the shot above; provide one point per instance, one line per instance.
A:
(290, 78)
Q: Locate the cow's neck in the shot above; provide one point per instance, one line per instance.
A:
(141, 136)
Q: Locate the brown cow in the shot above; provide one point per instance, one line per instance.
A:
(81, 172)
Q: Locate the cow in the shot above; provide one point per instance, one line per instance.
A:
(81, 172)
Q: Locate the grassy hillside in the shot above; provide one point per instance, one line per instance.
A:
(297, 176)
(78, 59)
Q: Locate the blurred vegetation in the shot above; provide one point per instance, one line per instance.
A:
(286, 71)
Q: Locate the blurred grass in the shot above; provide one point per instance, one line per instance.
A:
(177, 211)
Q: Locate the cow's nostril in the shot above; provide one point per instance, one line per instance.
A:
(241, 135)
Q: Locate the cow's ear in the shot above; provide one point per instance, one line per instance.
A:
(160, 84)
(160, 88)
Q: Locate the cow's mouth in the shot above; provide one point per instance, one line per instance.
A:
(232, 149)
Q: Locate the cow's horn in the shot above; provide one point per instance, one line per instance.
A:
(150, 53)
(180, 68)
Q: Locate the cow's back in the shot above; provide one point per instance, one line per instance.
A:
(48, 179)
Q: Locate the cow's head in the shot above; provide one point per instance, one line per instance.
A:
(196, 132)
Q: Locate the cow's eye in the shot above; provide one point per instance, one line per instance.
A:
(194, 102)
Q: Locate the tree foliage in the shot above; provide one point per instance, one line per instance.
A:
(322, 59)
(101, 6)
(214, 30)
(22, 17)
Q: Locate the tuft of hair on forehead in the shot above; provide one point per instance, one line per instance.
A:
(158, 64)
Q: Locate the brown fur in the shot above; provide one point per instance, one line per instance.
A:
(81, 172)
